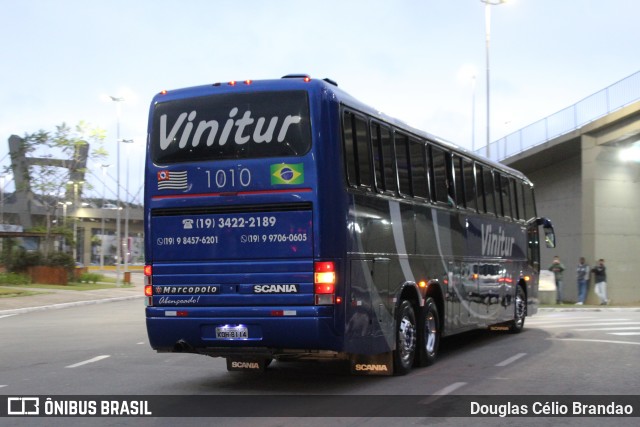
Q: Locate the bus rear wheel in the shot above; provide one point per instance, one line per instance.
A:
(429, 333)
(406, 339)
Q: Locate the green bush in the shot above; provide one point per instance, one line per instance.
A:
(18, 260)
(60, 259)
(91, 277)
(14, 279)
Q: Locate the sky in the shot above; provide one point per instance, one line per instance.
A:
(411, 59)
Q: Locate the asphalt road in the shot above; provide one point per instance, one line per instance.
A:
(103, 350)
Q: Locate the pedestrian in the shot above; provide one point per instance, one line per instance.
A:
(582, 274)
(557, 268)
(600, 274)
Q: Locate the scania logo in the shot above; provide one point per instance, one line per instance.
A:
(245, 365)
(275, 289)
(370, 367)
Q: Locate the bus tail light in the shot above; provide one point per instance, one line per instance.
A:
(148, 291)
(324, 278)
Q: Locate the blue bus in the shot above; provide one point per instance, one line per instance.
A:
(286, 220)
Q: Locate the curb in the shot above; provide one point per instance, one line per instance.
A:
(67, 305)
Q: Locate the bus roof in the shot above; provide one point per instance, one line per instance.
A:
(305, 82)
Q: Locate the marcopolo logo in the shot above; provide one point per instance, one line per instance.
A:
(287, 174)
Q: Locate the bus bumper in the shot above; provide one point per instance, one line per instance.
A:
(267, 330)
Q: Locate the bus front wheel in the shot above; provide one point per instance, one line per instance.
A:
(406, 339)
(520, 311)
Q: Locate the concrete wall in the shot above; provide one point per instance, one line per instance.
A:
(612, 213)
(559, 198)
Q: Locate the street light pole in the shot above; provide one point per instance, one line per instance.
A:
(118, 100)
(126, 214)
(487, 26)
(102, 239)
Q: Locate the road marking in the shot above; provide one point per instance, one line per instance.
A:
(448, 389)
(140, 343)
(511, 359)
(592, 324)
(599, 341)
(95, 359)
(442, 392)
(624, 333)
(625, 328)
(6, 315)
(3, 385)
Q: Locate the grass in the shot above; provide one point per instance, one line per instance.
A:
(67, 287)
(13, 292)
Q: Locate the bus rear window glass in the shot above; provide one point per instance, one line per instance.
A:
(402, 162)
(231, 126)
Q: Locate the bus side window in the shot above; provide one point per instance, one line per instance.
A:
(418, 168)
(439, 175)
(469, 184)
(362, 152)
(489, 191)
(458, 181)
(356, 146)
(514, 198)
(349, 148)
(522, 213)
(402, 163)
(378, 165)
(529, 202)
(388, 160)
(506, 196)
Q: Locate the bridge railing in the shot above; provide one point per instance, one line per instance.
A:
(601, 103)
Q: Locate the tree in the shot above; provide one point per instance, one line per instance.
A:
(46, 180)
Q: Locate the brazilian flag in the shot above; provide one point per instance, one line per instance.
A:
(287, 174)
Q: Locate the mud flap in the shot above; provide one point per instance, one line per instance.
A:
(378, 364)
(246, 365)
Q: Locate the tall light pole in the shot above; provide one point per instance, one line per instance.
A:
(102, 239)
(487, 26)
(118, 100)
(126, 212)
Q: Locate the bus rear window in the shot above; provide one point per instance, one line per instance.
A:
(231, 126)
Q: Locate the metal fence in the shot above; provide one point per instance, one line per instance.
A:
(601, 103)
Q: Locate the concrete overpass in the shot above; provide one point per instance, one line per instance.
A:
(590, 189)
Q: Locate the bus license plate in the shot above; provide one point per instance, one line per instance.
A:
(232, 332)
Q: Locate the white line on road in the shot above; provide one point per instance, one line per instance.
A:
(590, 324)
(511, 359)
(449, 389)
(625, 328)
(3, 385)
(442, 392)
(600, 341)
(95, 359)
(624, 333)
(6, 315)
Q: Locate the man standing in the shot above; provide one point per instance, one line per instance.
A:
(582, 273)
(557, 269)
(600, 273)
